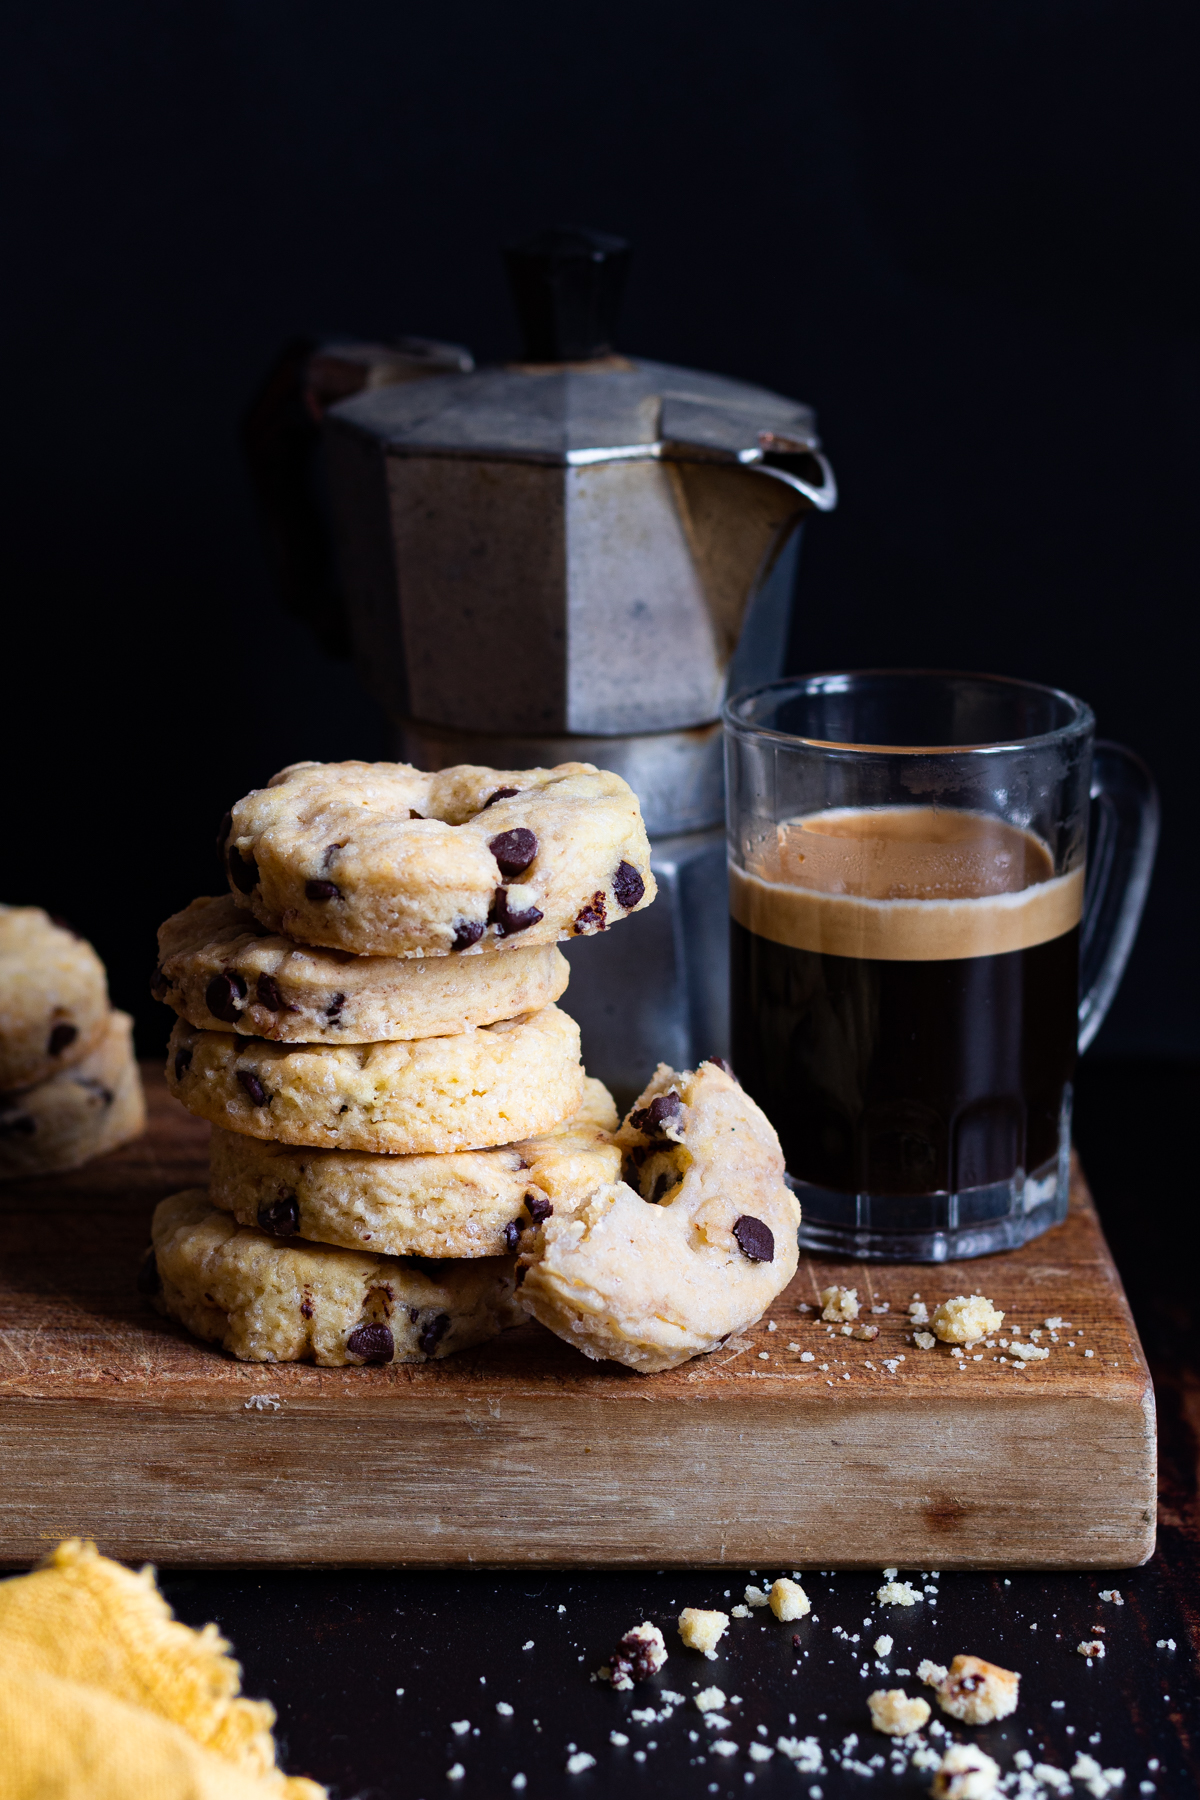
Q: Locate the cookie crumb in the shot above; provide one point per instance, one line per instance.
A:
(883, 1645)
(918, 1312)
(1099, 1782)
(640, 1654)
(789, 1601)
(897, 1593)
(1029, 1352)
(709, 1699)
(965, 1773)
(579, 1762)
(839, 1303)
(924, 1340)
(894, 1713)
(455, 1772)
(1113, 1595)
(975, 1691)
(756, 1596)
(1093, 1649)
(702, 1629)
(965, 1319)
(504, 1709)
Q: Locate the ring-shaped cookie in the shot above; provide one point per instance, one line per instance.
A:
(81, 1112)
(223, 971)
(653, 1277)
(480, 1088)
(269, 1302)
(466, 1203)
(53, 997)
(383, 860)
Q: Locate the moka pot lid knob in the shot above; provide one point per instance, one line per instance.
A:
(567, 283)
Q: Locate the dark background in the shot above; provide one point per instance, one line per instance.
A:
(968, 235)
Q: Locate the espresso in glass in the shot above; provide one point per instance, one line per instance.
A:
(905, 988)
(908, 852)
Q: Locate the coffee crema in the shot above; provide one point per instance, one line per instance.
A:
(904, 884)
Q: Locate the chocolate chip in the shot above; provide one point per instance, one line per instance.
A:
(374, 1343)
(511, 922)
(593, 916)
(183, 1062)
(755, 1240)
(281, 1218)
(514, 850)
(253, 1087)
(16, 1124)
(60, 1038)
(967, 1684)
(512, 1235)
(663, 1110)
(413, 1312)
(719, 1062)
(269, 995)
(466, 933)
(540, 1208)
(628, 886)
(333, 1011)
(331, 851)
(634, 1658)
(222, 994)
(306, 1308)
(662, 1186)
(160, 987)
(243, 871)
(322, 890)
(433, 1333)
(500, 794)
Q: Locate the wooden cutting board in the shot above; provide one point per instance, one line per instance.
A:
(115, 1425)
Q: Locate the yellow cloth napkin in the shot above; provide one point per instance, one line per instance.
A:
(105, 1696)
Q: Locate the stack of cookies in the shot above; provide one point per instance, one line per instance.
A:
(368, 1020)
(69, 1085)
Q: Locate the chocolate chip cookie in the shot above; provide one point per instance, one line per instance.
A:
(79, 1113)
(53, 997)
(492, 1086)
(264, 1301)
(223, 971)
(383, 860)
(694, 1244)
(466, 1203)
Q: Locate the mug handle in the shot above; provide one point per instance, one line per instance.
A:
(1123, 836)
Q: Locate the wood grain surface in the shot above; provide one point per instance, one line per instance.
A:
(114, 1424)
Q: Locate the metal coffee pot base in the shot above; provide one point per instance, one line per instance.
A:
(656, 988)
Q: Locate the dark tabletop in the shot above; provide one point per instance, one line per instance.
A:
(370, 1671)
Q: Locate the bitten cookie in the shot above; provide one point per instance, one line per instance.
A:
(53, 997)
(221, 970)
(383, 860)
(653, 1277)
(485, 1087)
(269, 1302)
(79, 1113)
(467, 1203)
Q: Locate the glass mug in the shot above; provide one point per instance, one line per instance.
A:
(921, 943)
